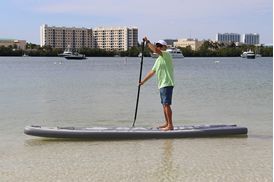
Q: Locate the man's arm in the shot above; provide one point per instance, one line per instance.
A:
(152, 47)
(147, 77)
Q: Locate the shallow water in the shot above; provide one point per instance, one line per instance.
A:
(102, 92)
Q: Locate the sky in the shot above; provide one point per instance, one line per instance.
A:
(156, 19)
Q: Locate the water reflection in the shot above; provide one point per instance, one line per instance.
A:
(168, 169)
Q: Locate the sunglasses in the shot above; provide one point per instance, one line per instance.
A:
(159, 45)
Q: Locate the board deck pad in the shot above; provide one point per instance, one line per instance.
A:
(112, 133)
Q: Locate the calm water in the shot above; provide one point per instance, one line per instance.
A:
(102, 92)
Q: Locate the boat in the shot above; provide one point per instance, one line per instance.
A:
(248, 54)
(67, 52)
(25, 55)
(126, 133)
(75, 56)
(174, 52)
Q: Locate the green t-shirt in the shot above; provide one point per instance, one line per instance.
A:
(163, 67)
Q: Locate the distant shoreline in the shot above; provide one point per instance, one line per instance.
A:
(208, 49)
(132, 56)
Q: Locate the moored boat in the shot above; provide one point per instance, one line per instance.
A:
(248, 54)
(67, 52)
(75, 56)
(174, 52)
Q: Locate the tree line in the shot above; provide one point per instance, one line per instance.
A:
(216, 49)
(207, 49)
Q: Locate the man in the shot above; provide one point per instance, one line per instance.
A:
(163, 67)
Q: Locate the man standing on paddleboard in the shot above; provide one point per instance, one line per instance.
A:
(163, 67)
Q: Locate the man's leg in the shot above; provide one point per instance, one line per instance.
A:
(166, 123)
(168, 115)
(166, 97)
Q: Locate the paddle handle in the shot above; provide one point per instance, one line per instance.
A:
(139, 86)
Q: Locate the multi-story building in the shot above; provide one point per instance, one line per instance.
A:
(193, 43)
(228, 37)
(17, 44)
(251, 39)
(116, 38)
(62, 37)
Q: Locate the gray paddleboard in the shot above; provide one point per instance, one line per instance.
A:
(111, 133)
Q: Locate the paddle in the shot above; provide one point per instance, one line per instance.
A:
(140, 77)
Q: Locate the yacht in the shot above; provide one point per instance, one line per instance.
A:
(248, 54)
(67, 52)
(174, 52)
(75, 56)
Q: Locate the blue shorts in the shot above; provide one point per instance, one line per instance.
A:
(166, 95)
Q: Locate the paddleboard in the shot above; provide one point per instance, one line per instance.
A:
(115, 133)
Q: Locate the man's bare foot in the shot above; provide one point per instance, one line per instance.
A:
(163, 126)
(167, 128)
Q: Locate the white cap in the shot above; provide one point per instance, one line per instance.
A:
(162, 42)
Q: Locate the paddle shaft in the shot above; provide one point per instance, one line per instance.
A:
(139, 87)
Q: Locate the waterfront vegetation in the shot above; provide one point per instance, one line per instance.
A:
(215, 49)
(208, 49)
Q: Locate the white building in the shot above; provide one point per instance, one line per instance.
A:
(251, 39)
(228, 37)
(62, 37)
(14, 43)
(114, 38)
